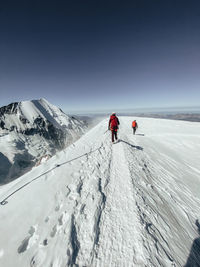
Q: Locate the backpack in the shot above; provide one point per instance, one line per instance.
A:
(134, 124)
(113, 122)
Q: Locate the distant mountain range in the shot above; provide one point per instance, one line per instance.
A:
(179, 116)
(31, 132)
(173, 115)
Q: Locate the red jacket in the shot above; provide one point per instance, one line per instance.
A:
(113, 123)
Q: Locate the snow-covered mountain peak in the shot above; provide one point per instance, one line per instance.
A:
(20, 116)
(36, 127)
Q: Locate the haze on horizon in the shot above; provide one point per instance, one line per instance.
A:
(101, 55)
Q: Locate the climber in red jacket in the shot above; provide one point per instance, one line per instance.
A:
(134, 126)
(113, 126)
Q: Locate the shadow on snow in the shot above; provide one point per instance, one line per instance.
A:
(133, 146)
(140, 134)
(194, 256)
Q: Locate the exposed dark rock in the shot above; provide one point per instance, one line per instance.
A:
(23, 162)
(9, 109)
(23, 120)
(2, 124)
(5, 166)
(48, 131)
(30, 131)
(40, 122)
(13, 128)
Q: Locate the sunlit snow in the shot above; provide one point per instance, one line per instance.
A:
(132, 203)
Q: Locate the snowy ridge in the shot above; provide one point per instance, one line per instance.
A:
(134, 203)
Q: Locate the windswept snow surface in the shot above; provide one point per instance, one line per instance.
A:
(133, 203)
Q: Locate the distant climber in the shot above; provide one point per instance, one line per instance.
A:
(113, 126)
(134, 126)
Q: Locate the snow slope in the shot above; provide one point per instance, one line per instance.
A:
(133, 203)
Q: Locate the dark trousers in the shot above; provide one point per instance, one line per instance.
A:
(114, 135)
(134, 130)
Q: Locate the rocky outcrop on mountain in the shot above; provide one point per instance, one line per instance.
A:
(9, 109)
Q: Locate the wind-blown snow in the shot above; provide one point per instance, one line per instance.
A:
(133, 203)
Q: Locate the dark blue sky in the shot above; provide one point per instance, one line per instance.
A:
(97, 55)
